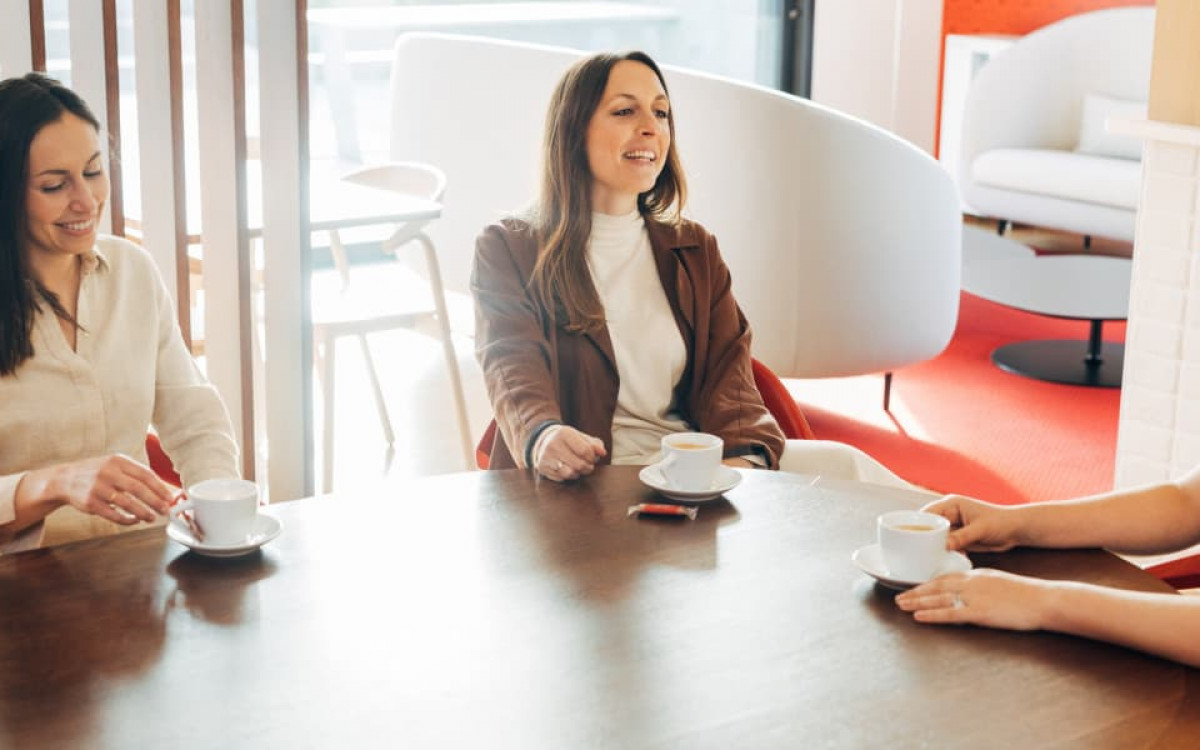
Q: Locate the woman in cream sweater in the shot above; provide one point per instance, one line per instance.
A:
(90, 352)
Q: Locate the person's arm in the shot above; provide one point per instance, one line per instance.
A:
(512, 346)
(1161, 624)
(114, 487)
(20, 513)
(1145, 520)
(729, 403)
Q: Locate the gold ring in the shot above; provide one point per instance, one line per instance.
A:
(558, 465)
(112, 497)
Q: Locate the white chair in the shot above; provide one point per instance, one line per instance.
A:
(1035, 148)
(843, 240)
(355, 311)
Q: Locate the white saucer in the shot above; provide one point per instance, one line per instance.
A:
(725, 481)
(265, 529)
(869, 560)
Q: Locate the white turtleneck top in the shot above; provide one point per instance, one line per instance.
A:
(649, 348)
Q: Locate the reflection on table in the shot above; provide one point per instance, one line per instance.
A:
(490, 608)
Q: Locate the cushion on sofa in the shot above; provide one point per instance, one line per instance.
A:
(1094, 137)
(1061, 174)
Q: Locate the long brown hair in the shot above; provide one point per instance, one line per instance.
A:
(562, 219)
(27, 105)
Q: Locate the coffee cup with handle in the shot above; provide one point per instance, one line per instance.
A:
(912, 544)
(223, 510)
(690, 460)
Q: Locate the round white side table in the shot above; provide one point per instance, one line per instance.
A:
(1075, 287)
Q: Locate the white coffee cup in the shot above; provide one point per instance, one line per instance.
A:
(913, 544)
(690, 460)
(224, 509)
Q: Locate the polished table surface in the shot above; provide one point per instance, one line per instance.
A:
(490, 609)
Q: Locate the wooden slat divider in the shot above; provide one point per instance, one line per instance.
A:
(183, 280)
(112, 80)
(37, 34)
(245, 272)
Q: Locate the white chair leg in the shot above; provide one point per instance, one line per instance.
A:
(326, 345)
(460, 401)
(380, 405)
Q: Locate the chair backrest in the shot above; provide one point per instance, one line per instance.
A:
(780, 403)
(160, 462)
(412, 178)
(844, 241)
(1030, 95)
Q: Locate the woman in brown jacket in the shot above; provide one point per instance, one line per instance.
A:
(604, 320)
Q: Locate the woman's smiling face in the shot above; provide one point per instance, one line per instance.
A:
(67, 189)
(628, 137)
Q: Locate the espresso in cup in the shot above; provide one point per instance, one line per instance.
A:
(912, 543)
(224, 510)
(690, 460)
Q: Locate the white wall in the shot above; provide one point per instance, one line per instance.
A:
(879, 60)
(1158, 437)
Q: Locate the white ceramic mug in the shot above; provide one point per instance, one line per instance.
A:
(913, 544)
(690, 460)
(223, 509)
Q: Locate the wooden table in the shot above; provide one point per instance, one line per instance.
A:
(487, 609)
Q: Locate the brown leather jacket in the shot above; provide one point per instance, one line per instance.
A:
(537, 372)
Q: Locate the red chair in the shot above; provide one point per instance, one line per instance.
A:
(775, 396)
(780, 403)
(1183, 573)
(160, 462)
(483, 451)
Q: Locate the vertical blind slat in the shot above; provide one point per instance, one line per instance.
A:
(88, 76)
(222, 137)
(183, 276)
(286, 246)
(16, 52)
(37, 35)
(112, 81)
(163, 215)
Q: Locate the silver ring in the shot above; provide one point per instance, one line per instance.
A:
(957, 601)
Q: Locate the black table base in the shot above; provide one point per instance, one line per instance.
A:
(1090, 362)
(1063, 361)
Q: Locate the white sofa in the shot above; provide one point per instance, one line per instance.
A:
(844, 241)
(1035, 149)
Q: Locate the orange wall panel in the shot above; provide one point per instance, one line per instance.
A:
(1016, 16)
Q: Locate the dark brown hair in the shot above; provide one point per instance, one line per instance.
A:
(562, 219)
(27, 105)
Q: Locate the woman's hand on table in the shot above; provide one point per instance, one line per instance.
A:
(980, 597)
(564, 453)
(114, 487)
(977, 526)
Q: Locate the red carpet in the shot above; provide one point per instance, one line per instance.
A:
(960, 424)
